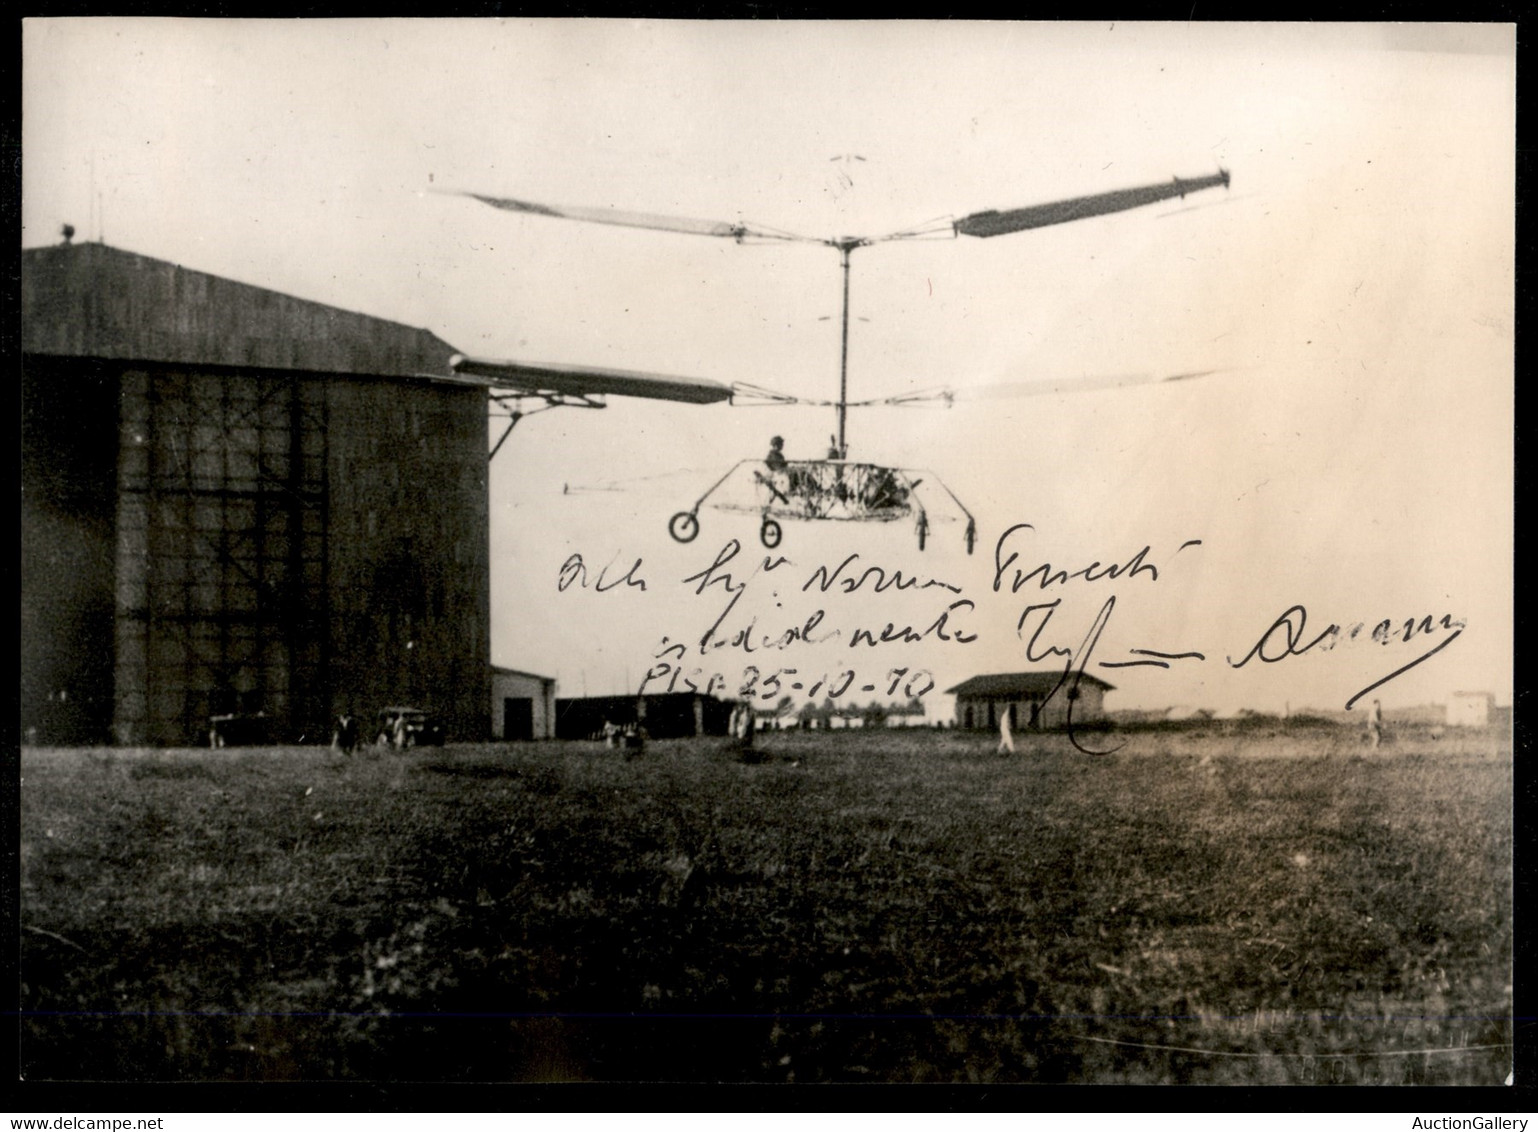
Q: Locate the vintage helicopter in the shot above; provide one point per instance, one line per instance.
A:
(834, 488)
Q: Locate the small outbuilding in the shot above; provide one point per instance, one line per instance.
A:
(665, 715)
(522, 705)
(1034, 700)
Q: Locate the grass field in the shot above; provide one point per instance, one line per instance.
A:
(1261, 905)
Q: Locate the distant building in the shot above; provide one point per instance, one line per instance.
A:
(668, 715)
(238, 501)
(776, 718)
(1024, 695)
(522, 705)
(907, 715)
(1470, 709)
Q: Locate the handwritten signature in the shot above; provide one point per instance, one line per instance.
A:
(1287, 633)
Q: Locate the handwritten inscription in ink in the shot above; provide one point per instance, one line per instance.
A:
(742, 615)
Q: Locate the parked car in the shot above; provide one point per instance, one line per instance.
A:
(407, 727)
(239, 729)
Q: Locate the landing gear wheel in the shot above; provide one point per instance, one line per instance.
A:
(769, 534)
(971, 536)
(923, 530)
(684, 526)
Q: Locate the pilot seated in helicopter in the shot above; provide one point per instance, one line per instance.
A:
(783, 481)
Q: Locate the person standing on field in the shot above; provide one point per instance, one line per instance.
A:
(345, 737)
(1006, 739)
(743, 724)
(1375, 725)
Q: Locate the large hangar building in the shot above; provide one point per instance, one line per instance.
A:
(235, 500)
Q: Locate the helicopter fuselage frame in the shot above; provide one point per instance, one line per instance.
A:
(836, 490)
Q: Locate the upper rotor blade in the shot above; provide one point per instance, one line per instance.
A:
(687, 225)
(1012, 389)
(537, 378)
(996, 223)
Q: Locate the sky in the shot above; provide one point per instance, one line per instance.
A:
(1346, 457)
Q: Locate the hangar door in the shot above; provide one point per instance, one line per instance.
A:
(221, 552)
(518, 718)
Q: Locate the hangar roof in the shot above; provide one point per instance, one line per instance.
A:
(1019, 683)
(93, 300)
(498, 670)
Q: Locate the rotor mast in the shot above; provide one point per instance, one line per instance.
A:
(844, 247)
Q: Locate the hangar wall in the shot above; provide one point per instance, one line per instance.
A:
(235, 500)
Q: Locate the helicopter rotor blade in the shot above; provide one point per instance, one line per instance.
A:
(1009, 390)
(515, 379)
(687, 225)
(990, 222)
(995, 223)
(540, 378)
(921, 397)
